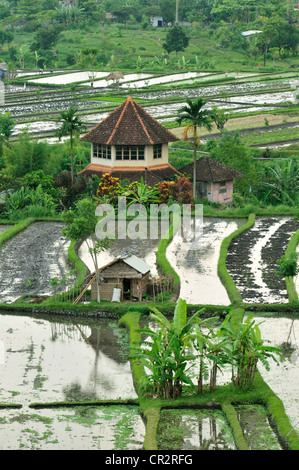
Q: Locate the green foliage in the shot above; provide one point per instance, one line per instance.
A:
(245, 348)
(24, 203)
(46, 36)
(231, 151)
(172, 348)
(24, 156)
(80, 223)
(287, 265)
(176, 40)
(282, 183)
(72, 125)
(166, 355)
(195, 116)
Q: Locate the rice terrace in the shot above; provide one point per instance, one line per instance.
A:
(139, 343)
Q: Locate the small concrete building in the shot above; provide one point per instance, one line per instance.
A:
(129, 274)
(214, 180)
(157, 21)
(130, 144)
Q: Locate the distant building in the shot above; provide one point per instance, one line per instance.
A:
(130, 144)
(3, 71)
(213, 179)
(252, 32)
(157, 21)
(111, 17)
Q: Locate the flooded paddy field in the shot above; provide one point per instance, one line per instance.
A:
(46, 362)
(31, 259)
(63, 360)
(283, 379)
(53, 361)
(255, 273)
(246, 92)
(194, 430)
(80, 428)
(256, 428)
(142, 248)
(207, 429)
(197, 267)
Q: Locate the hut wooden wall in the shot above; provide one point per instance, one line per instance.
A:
(113, 277)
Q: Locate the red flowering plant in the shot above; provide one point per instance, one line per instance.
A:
(182, 191)
(164, 189)
(109, 189)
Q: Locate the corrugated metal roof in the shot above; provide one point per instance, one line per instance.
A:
(137, 264)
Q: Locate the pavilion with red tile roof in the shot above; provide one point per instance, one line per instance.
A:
(130, 144)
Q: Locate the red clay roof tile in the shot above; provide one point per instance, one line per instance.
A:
(129, 124)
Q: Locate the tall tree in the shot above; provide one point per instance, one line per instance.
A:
(71, 125)
(176, 40)
(80, 223)
(194, 114)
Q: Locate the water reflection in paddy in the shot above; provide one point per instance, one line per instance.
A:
(79, 428)
(54, 361)
(194, 430)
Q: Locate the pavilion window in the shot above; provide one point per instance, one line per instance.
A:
(102, 151)
(129, 152)
(141, 152)
(158, 151)
(119, 152)
(95, 150)
(134, 152)
(126, 152)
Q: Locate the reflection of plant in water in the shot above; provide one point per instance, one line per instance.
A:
(74, 393)
(287, 348)
(187, 429)
(125, 427)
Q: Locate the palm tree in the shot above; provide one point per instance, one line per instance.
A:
(71, 125)
(194, 114)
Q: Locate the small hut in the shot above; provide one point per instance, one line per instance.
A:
(130, 275)
(214, 180)
(115, 77)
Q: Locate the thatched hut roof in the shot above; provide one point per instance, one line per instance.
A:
(114, 76)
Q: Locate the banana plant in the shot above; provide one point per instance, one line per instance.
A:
(166, 353)
(245, 349)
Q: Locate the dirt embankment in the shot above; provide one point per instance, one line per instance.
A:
(252, 260)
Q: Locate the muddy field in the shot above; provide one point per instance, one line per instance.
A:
(31, 259)
(252, 259)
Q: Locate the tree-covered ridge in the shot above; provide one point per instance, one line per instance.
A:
(208, 11)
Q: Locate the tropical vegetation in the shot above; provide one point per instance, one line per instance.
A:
(172, 349)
